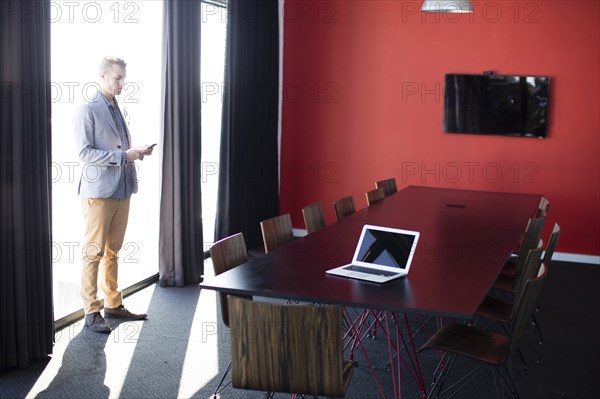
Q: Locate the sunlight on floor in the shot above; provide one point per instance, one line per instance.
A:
(200, 365)
(121, 345)
(51, 370)
(119, 349)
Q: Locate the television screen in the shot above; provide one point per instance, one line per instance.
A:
(496, 104)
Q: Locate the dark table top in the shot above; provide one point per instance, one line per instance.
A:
(466, 237)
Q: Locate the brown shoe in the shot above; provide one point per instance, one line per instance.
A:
(96, 323)
(122, 313)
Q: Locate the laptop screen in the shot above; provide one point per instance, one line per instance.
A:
(386, 248)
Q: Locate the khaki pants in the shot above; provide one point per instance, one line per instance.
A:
(105, 223)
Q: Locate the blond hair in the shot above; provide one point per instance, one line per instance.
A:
(108, 61)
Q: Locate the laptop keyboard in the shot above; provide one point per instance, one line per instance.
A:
(368, 270)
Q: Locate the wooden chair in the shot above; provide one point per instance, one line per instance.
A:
(531, 239)
(540, 213)
(548, 253)
(486, 347)
(288, 348)
(344, 207)
(496, 310)
(276, 232)
(499, 310)
(503, 311)
(375, 196)
(226, 254)
(388, 186)
(313, 217)
(554, 236)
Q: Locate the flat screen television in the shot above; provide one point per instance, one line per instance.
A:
(506, 105)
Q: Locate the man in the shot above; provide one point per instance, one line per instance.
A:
(107, 182)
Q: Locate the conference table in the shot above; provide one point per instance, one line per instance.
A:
(466, 236)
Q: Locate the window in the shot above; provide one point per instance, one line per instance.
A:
(213, 31)
(82, 33)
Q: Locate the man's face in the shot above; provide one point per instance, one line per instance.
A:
(113, 80)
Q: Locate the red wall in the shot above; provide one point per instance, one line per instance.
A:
(362, 101)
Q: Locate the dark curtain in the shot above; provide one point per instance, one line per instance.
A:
(248, 175)
(181, 246)
(26, 317)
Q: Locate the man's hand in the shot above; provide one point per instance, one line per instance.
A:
(133, 154)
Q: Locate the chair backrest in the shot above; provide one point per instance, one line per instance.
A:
(313, 217)
(280, 347)
(277, 231)
(526, 306)
(530, 269)
(543, 208)
(225, 255)
(374, 196)
(552, 244)
(344, 207)
(388, 186)
(532, 235)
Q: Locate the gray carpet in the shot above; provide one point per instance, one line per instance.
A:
(182, 349)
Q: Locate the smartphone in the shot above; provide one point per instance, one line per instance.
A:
(151, 145)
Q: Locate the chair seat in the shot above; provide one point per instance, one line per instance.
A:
(510, 267)
(497, 309)
(514, 257)
(517, 249)
(505, 283)
(486, 346)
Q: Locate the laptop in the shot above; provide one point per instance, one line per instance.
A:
(382, 254)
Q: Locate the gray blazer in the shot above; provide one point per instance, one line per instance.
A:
(100, 148)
